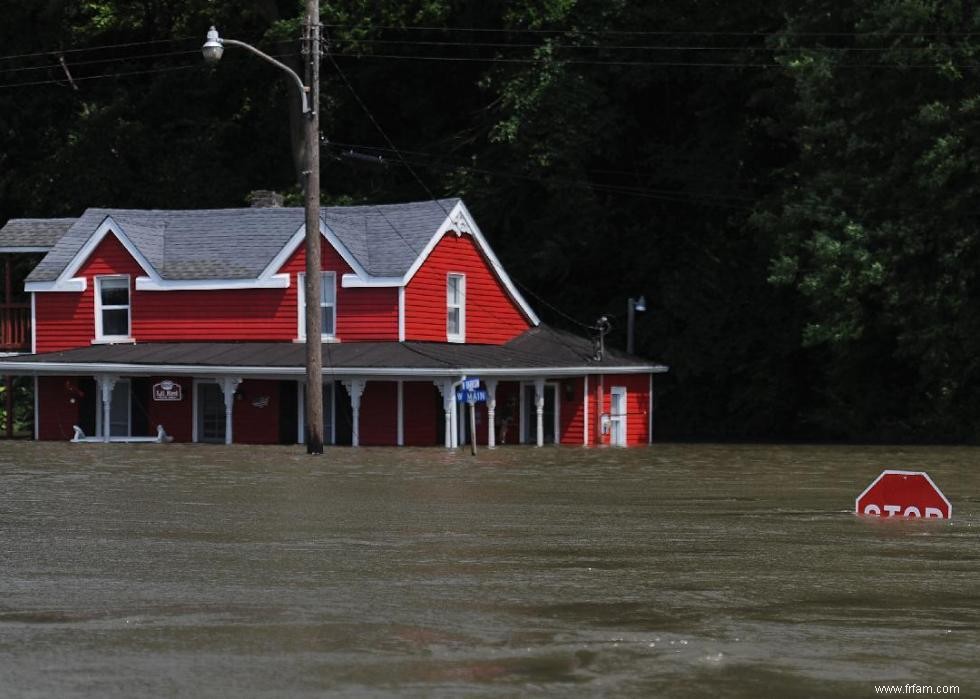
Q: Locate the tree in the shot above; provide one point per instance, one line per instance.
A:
(876, 219)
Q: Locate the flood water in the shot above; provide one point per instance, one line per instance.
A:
(671, 571)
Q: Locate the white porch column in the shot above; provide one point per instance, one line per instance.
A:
(491, 385)
(229, 385)
(106, 384)
(355, 387)
(448, 403)
(539, 408)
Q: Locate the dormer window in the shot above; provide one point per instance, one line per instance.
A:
(456, 308)
(112, 317)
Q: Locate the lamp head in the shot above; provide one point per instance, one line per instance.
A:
(640, 304)
(213, 47)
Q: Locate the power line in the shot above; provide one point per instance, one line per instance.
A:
(148, 71)
(384, 135)
(647, 64)
(571, 31)
(120, 59)
(103, 75)
(662, 47)
(614, 32)
(414, 174)
(680, 196)
(93, 48)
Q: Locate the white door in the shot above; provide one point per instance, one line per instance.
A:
(617, 416)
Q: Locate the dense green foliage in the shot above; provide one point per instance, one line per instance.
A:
(792, 185)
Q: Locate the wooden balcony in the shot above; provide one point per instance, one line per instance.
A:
(15, 327)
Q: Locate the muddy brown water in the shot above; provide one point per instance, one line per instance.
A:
(673, 571)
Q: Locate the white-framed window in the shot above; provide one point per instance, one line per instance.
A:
(112, 318)
(328, 305)
(456, 307)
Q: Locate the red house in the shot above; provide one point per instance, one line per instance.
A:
(193, 320)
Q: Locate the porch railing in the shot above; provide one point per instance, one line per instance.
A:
(15, 327)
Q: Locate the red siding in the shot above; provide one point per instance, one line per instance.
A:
(492, 317)
(637, 406)
(252, 424)
(379, 414)
(423, 413)
(177, 417)
(571, 416)
(247, 314)
(362, 314)
(367, 314)
(58, 402)
(67, 319)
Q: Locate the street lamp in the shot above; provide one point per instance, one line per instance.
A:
(632, 307)
(213, 48)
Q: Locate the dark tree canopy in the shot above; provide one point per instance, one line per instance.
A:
(792, 185)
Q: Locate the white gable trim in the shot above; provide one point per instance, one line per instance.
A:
(462, 215)
(107, 226)
(67, 281)
(298, 237)
(459, 220)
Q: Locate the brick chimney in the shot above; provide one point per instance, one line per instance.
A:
(264, 199)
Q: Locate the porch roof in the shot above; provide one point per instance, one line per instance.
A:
(540, 351)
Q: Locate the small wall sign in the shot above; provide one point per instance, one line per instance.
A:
(167, 391)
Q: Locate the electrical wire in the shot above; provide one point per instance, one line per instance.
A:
(381, 131)
(646, 64)
(407, 165)
(94, 48)
(614, 32)
(98, 77)
(665, 47)
(148, 71)
(120, 59)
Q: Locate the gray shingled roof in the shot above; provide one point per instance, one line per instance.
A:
(240, 243)
(538, 348)
(34, 232)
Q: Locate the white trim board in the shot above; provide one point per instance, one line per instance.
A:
(276, 281)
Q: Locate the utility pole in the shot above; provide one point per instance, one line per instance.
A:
(310, 95)
(314, 317)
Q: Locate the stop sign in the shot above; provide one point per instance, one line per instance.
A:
(903, 494)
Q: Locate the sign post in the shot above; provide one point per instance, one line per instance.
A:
(471, 393)
(910, 494)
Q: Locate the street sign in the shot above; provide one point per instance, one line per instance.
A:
(903, 494)
(471, 384)
(477, 396)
